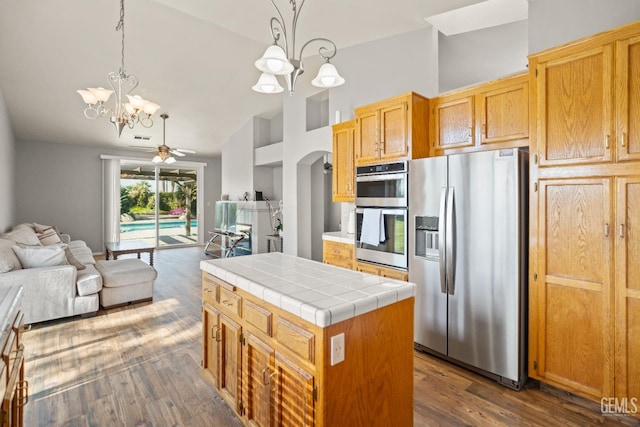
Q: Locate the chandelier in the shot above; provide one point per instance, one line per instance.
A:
(136, 110)
(277, 61)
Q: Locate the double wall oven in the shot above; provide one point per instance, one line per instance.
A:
(382, 189)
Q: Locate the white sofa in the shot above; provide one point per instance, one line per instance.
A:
(55, 285)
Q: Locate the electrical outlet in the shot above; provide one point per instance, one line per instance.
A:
(337, 349)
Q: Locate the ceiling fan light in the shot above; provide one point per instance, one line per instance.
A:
(151, 108)
(170, 160)
(328, 77)
(88, 97)
(157, 159)
(267, 83)
(274, 61)
(101, 93)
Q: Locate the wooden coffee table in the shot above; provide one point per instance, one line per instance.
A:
(116, 249)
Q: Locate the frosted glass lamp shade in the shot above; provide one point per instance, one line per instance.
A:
(101, 93)
(327, 77)
(267, 83)
(170, 160)
(151, 108)
(87, 97)
(157, 159)
(274, 61)
(129, 108)
(137, 102)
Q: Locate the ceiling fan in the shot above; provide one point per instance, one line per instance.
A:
(164, 153)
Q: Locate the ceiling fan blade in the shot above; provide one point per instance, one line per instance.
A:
(184, 150)
(177, 153)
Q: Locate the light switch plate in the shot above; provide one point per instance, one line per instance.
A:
(337, 349)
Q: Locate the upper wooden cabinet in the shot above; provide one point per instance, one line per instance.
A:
(343, 161)
(587, 99)
(487, 116)
(393, 129)
(453, 125)
(502, 111)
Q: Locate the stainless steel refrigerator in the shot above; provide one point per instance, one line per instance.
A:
(468, 258)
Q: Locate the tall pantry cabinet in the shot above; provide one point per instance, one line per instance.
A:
(584, 279)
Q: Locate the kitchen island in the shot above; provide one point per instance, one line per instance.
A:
(289, 341)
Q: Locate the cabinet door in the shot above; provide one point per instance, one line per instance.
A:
(211, 334)
(453, 123)
(628, 287)
(394, 274)
(367, 137)
(258, 367)
(230, 362)
(295, 403)
(393, 128)
(572, 300)
(336, 253)
(368, 268)
(574, 108)
(504, 114)
(343, 164)
(628, 99)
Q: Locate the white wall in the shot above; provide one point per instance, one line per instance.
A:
(61, 184)
(482, 55)
(7, 159)
(373, 71)
(237, 167)
(554, 22)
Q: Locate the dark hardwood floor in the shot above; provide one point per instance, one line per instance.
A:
(139, 365)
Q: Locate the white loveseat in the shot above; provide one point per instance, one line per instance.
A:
(58, 274)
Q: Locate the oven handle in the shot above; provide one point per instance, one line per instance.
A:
(381, 177)
(387, 211)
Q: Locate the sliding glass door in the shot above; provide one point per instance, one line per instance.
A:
(158, 204)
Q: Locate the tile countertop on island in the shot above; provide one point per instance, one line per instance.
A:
(319, 293)
(339, 236)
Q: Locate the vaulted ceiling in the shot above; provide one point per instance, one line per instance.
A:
(193, 57)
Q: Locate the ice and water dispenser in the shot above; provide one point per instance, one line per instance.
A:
(427, 237)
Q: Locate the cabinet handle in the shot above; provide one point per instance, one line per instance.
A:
(606, 230)
(621, 231)
(470, 132)
(273, 379)
(266, 376)
(623, 142)
(24, 393)
(227, 303)
(215, 334)
(606, 142)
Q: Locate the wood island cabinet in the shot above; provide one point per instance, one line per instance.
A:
(274, 368)
(343, 181)
(584, 279)
(391, 130)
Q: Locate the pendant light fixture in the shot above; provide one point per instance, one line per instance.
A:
(281, 60)
(136, 110)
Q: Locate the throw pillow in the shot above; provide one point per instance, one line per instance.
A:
(48, 236)
(40, 256)
(22, 236)
(5, 267)
(40, 228)
(73, 260)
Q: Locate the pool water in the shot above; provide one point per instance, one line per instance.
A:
(150, 225)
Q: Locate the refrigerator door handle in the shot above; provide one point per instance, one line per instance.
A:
(441, 240)
(450, 242)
